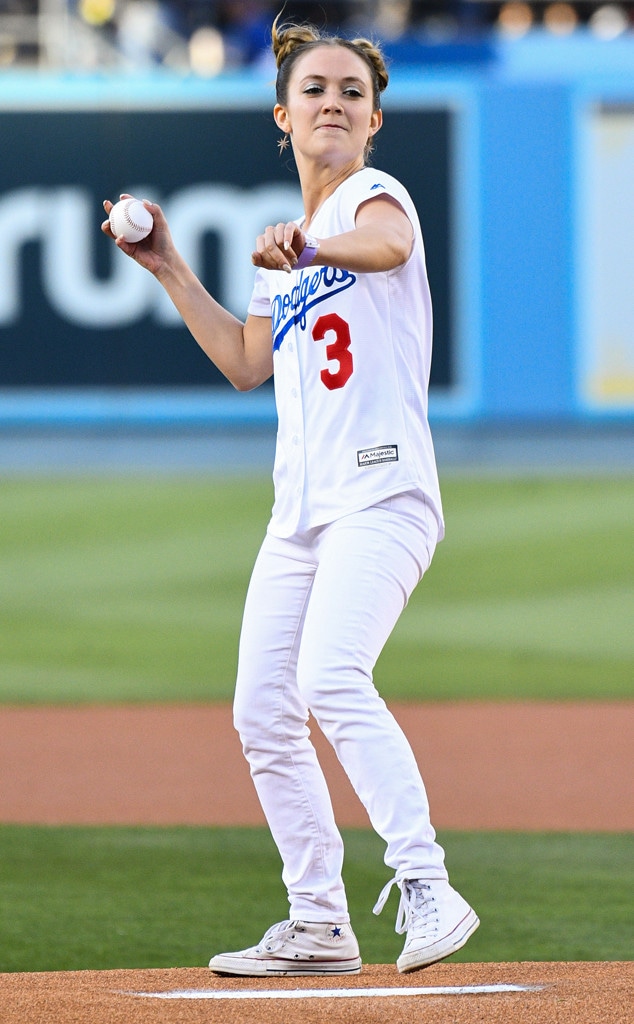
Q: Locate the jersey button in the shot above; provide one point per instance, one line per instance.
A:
(294, 392)
(295, 438)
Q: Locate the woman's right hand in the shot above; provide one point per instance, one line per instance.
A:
(153, 250)
(278, 247)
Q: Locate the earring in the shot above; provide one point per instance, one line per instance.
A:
(282, 144)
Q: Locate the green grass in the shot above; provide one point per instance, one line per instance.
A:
(99, 898)
(118, 589)
(132, 590)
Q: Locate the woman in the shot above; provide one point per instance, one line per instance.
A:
(341, 315)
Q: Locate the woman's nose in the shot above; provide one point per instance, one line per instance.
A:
(331, 101)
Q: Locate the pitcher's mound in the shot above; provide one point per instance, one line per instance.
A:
(513, 993)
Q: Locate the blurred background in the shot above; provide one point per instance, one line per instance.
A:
(512, 125)
(212, 36)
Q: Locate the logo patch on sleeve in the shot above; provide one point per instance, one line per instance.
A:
(373, 456)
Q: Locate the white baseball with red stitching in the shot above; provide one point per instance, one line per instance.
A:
(130, 218)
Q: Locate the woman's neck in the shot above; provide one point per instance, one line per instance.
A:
(319, 184)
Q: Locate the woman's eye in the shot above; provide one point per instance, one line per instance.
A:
(313, 90)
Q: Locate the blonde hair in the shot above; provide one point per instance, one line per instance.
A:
(290, 41)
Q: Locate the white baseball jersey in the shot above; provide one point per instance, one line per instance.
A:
(352, 356)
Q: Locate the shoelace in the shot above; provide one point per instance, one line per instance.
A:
(275, 936)
(415, 906)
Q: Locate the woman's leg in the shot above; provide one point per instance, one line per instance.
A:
(369, 563)
(271, 718)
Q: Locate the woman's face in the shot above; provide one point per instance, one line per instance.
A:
(329, 112)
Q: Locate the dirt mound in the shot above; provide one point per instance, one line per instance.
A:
(526, 993)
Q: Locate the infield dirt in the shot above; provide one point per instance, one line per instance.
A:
(506, 765)
(545, 766)
(577, 993)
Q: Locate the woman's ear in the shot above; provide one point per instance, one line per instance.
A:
(281, 118)
(375, 122)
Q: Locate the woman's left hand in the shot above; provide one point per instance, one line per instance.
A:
(279, 247)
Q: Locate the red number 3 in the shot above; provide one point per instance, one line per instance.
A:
(337, 351)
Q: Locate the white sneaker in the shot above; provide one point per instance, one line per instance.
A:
(298, 948)
(437, 920)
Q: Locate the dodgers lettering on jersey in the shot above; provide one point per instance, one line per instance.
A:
(293, 308)
(352, 355)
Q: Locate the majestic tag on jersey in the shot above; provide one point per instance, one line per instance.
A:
(372, 456)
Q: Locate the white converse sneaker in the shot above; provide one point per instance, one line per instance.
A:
(298, 948)
(437, 920)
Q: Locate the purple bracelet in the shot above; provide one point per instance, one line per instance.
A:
(308, 253)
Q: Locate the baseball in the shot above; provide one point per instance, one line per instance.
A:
(130, 218)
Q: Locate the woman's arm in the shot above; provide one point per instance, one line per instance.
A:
(241, 351)
(381, 240)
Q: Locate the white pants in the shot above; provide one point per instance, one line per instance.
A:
(319, 609)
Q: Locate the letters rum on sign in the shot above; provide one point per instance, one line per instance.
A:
(60, 325)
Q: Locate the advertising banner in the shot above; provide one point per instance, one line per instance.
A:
(76, 313)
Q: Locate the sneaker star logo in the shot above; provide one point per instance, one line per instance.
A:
(336, 932)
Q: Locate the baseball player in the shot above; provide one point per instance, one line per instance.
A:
(341, 315)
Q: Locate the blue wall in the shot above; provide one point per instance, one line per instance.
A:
(526, 253)
(518, 164)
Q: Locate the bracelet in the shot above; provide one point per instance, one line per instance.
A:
(308, 253)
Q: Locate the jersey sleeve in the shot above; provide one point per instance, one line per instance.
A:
(260, 304)
(371, 184)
